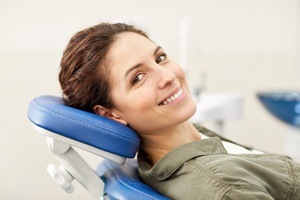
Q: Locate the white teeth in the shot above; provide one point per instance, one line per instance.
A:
(173, 98)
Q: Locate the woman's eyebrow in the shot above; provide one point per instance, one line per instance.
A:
(132, 68)
(156, 50)
(139, 64)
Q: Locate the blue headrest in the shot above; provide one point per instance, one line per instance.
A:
(50, 113)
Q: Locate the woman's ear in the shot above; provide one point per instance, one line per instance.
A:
(100, 110)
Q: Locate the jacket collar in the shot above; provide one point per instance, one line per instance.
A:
(175, 158)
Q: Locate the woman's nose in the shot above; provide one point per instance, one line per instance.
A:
(165, 76)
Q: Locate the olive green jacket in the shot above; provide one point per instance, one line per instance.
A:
(204, 170)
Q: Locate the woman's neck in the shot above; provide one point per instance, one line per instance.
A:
(160, 143)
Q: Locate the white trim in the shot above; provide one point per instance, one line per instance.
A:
(116, 158)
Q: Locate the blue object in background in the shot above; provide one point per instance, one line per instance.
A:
(285, 106)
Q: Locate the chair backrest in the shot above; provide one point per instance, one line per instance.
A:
(123, 182)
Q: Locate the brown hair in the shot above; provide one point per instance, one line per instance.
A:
(84, 72)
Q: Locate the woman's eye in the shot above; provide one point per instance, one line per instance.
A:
(161, 58)
(137, 78)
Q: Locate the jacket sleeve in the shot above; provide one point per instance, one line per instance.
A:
(249, 193)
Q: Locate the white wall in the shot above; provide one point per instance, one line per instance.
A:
(242, 46)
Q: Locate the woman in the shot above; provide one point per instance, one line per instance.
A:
(116, 71)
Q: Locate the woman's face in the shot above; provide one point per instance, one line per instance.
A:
(149, 90)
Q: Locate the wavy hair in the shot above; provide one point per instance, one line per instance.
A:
(84, 70)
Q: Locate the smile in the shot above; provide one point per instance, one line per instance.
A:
(172, 98)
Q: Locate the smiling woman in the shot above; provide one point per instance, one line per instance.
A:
(116, 71)
(140, 72)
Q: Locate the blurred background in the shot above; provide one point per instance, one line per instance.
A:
(232, 46)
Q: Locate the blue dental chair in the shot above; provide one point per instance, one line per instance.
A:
(66, 127)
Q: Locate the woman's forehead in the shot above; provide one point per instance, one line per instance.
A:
(129, 41)
(130, 48)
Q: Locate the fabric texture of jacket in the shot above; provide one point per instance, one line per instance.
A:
(204, 170)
